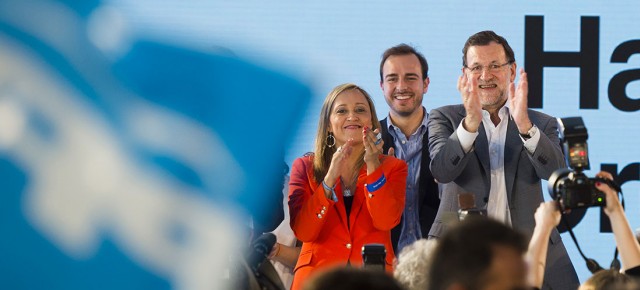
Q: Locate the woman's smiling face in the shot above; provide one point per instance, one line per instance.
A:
(349, 115)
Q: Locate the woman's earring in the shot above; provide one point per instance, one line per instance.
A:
(330, 140)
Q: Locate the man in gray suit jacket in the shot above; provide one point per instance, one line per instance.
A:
(494, 147)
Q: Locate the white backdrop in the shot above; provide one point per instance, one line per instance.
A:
(329, 42)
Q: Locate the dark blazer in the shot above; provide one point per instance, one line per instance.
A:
(429, 200)
(460, 172)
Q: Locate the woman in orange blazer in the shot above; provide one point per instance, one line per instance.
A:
(347, 194)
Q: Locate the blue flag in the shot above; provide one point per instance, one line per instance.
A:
(128, 163)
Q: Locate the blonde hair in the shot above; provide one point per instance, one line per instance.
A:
(324, 153)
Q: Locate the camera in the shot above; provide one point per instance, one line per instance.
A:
(575, 190)
(373, 256)
(570, 186)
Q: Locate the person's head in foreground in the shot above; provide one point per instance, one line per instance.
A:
(350, 278)
(480, 254)
(413, 264)
(610, 280)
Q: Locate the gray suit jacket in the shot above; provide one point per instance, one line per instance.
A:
(458, 172)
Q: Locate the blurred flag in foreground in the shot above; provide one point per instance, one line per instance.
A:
(127, 163)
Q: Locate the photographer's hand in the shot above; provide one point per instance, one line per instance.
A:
(613, 205)
(625, 240)
(547, 217)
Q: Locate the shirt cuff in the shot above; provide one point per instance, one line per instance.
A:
(532, 143)
(466, 138)
(371, 187)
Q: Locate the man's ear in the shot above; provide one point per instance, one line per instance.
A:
(514, 70)
(426, 85)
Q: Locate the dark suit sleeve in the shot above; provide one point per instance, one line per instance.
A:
(548, 155)
(447, 156)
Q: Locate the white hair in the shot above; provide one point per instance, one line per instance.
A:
(414, 263)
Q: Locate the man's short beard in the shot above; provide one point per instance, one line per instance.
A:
(405, 113)
(500, 101)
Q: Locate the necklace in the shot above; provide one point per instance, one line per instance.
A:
(346, 190)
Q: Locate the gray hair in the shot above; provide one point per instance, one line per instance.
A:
(414, 263)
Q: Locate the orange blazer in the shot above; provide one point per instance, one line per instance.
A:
(321, 224)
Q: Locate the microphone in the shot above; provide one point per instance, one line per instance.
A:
(373, 256)
(467, 205)
(260, 249)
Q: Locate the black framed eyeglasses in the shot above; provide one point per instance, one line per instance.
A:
(492, 68)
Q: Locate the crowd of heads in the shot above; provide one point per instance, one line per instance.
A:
(477, 253)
